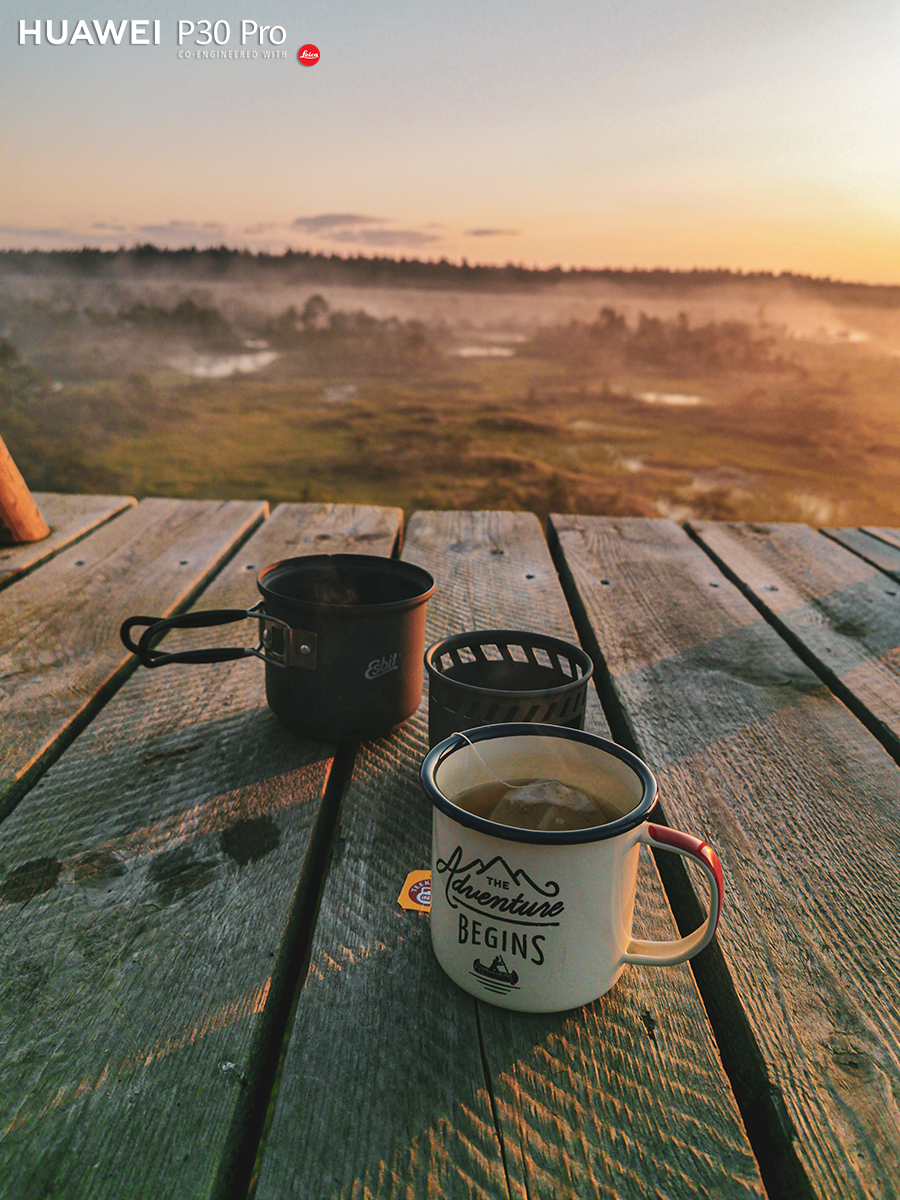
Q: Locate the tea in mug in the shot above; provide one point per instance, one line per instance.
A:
(543, 804)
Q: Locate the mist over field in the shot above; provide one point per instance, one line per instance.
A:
(702, 394)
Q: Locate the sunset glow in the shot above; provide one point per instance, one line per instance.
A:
(697, 135)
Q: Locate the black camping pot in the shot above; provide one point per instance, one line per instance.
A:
(342, 637)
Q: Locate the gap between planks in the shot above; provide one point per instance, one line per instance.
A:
(837, 612)
(71, 518)
(881, 554)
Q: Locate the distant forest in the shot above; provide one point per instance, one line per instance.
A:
(303, 266)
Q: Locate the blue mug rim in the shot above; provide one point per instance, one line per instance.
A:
(482, 733)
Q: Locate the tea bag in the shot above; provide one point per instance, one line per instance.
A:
(548, 804)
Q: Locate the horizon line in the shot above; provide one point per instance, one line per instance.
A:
(463, 266)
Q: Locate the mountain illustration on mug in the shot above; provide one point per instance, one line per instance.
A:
(497, 977)
(497, 890)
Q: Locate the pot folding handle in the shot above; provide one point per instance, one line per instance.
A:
(663, 954)
(275, 645)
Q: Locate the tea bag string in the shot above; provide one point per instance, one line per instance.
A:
(496, 778)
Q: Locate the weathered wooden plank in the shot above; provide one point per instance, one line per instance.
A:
(339, 529)
(880, 554)
(755, 755)
(152, 885)
(840, 614)
(60, 651)
(384, 1091)
(70, 519)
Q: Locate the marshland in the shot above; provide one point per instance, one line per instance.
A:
(219, 374)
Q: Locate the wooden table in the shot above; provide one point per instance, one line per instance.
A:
(207, 984)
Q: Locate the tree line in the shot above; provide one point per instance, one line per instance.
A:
(305, 266)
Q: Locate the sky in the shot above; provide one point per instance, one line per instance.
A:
(600, 133)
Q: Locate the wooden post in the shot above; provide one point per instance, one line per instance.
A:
(18, 512)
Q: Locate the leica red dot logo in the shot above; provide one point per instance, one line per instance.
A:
(308, 55)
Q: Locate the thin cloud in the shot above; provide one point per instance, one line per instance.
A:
(492, 233)
(334, 221)
(25, 231)
(103, 226)
(385, 237)
(187, 227)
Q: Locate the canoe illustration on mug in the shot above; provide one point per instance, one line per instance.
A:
(496, 973)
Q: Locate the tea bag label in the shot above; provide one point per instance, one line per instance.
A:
(416, 891)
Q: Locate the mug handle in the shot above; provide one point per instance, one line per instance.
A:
(665, 954)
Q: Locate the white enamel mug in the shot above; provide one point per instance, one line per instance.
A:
(540, 921)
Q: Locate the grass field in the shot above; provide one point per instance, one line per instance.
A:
(722, 413)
